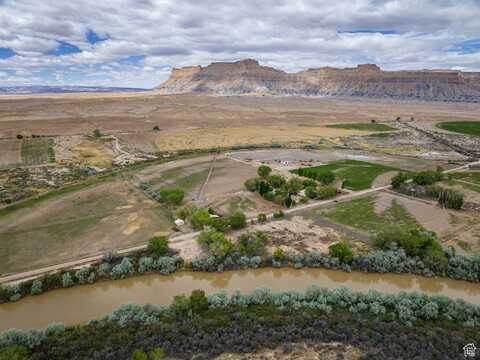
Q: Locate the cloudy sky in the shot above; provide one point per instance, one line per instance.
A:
(135, 43)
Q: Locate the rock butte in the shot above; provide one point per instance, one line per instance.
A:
(367, 80)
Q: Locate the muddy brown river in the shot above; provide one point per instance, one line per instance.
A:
(82, 303)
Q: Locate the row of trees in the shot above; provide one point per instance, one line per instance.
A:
(425, 181)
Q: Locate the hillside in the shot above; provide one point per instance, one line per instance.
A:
(368, 80)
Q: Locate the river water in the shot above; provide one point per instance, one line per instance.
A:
(82, 303)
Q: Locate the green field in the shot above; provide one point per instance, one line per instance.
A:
(360, 214)
(468, 180)
(463, 127)
(362, 127)
(471, 176)
(37, 151)
(357, 175)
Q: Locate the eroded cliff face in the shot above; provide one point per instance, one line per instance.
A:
(249, 77)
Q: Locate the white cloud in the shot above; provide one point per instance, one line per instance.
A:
(288, 34)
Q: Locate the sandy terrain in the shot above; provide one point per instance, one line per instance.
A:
(301, 351)
(130, 113)
(298, 233)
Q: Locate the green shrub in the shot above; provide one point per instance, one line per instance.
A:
(123, 269)
(309, 182)
(14, 353)
(251, 184)
(158, 245)
(279, 255)
(199, 219)
(36, 287)
(82, 275)
(278, 215)
(139, 354)
(269, 196)
(264, 187)
(433, 191)
(198, 301)
(294, 185)
(325, 178)
(262, 218)
(219, 224)
(399, 179)
(311, 192)
(157, 353)
(263, 171)
(219, 246)
(342, 251)
(238, 220)
(276, 181)
(326, 192)
(181, 305)
(252, 243)
(67, 280)
(172, 195)
(427, 177)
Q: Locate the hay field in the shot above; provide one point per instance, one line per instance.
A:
(247, 135)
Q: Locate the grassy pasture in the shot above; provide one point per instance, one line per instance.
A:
(362, 127)
(360, 214)
(357, 175)
(463, 127)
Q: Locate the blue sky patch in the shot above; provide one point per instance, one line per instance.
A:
(6, 53)
(93, 38)
(467, 47)
(64, 48)
(370, 31)
(133, 59)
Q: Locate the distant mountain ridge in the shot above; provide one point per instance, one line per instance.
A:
(19, 90)
(367, 80)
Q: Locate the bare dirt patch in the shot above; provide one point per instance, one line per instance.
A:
(429, 215)
(298, 233)
(300, 351)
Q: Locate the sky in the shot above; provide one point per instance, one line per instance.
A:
(135, 43)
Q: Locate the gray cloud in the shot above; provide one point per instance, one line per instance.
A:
(288, 34)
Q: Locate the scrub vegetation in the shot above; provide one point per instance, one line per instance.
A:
(200, 326)
(362, 127)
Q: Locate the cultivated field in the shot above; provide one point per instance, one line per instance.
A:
(37, 151)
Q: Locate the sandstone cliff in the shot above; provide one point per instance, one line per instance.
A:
(249, 77)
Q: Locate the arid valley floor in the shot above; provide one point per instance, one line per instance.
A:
(80, 176)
